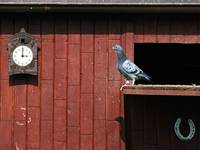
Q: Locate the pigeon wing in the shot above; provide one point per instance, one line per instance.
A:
(130, 67)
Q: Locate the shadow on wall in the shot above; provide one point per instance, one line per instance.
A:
(98, 23)
(121, 122)
(23, 80)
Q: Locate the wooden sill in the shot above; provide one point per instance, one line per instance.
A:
(165, 90)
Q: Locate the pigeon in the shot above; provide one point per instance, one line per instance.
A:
(128, 69)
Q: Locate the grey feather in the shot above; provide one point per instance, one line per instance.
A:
(127, 68)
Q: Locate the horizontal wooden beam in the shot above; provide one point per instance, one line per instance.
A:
(165, 90)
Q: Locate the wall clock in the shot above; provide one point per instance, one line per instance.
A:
(22, 57)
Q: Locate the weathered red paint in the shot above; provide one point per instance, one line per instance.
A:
(75, 100)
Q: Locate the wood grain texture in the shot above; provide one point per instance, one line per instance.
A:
(99, 135)
(7, 138)
(86, 114)
(87, 72)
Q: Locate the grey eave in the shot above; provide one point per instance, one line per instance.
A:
(100, 2)
(100, 6)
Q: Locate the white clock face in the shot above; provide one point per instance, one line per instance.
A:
(22, 55)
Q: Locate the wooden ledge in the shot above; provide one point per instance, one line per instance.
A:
(165, 90)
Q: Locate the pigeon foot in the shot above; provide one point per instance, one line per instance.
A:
(121, 88)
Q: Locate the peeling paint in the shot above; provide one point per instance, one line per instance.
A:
(16, 146)
(19, 123)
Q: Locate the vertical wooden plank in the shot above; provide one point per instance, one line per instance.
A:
(101, 58)
(6, 135)
(163, 29)
(87, 72)
(20, 135)
(100, 80)
(73, 114)
(46, 135)
(46, 115)
(59, 123)
(73, 110)
(46, 99)
(33, 92)
(86, 114)
(87, 36)
(60, 37)
(60, 48)
(113, 137)
(6, 101)
(99, 135)
(100, 99)
(113, 103)
(73, 139)
(73, 133)
(33, 128)
(47, 59)
(73, 64)
(150, 23)
(60, 82)
(86, 142)
(20, 113)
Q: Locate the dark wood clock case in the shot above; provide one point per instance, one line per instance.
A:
(22, 38)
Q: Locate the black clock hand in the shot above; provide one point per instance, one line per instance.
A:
(22, 51)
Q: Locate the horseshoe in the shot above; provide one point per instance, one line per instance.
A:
(178, 133)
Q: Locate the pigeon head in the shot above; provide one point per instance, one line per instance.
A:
(117, 48)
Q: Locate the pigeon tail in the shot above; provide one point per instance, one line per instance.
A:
(146, 77)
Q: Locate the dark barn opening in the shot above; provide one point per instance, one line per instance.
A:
(150, 122)
(169, 63)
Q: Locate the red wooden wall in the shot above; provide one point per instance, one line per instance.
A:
(76, 99)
